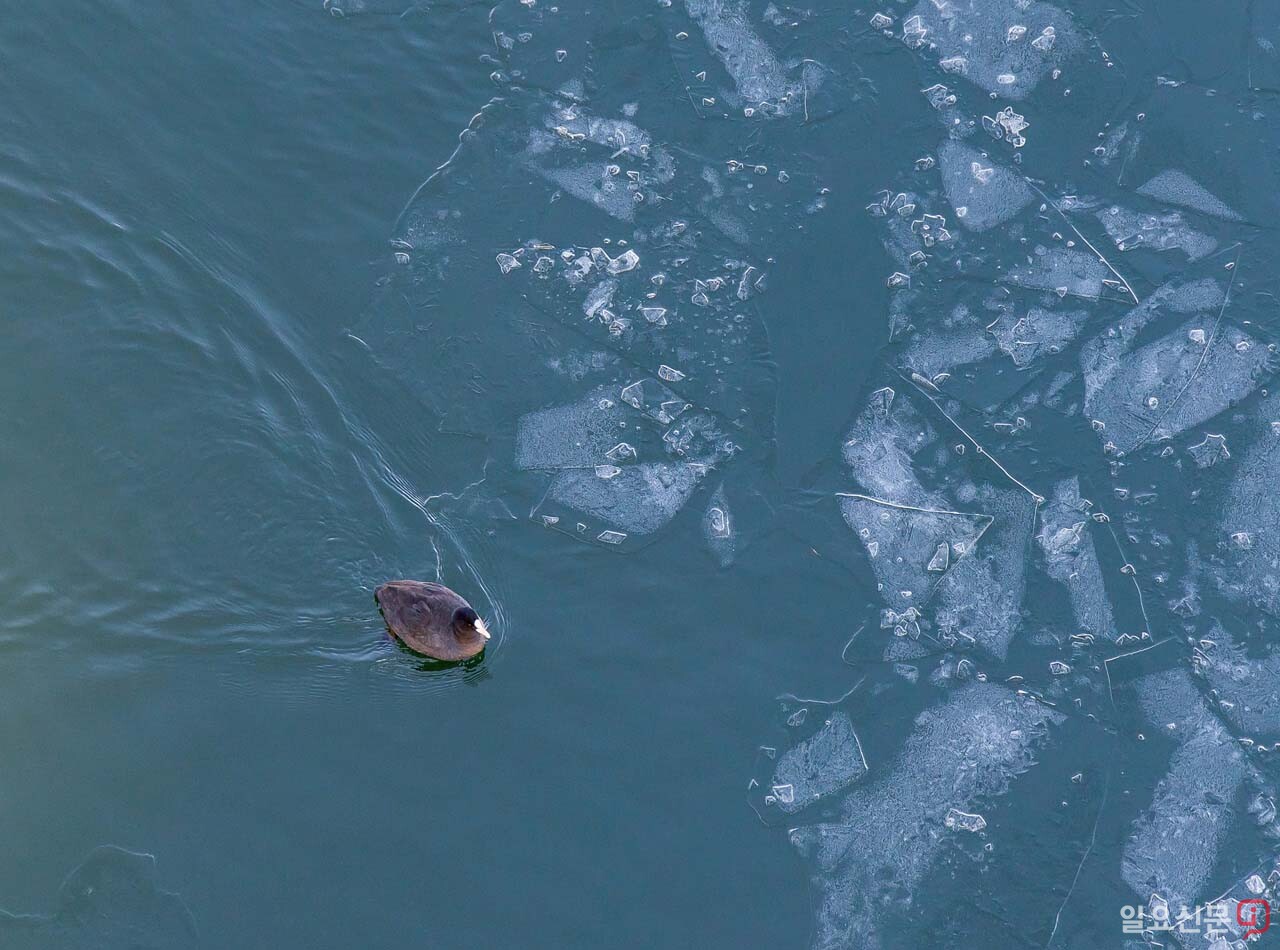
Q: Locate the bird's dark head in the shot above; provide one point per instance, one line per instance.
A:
(467, 625)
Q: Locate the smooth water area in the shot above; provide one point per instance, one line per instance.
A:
(260, 357)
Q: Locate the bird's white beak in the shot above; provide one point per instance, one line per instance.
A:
(482, 629)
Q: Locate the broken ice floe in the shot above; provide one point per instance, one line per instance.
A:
(1175, 842)
(1249, 519)
(1002, 46)
(1244, 681)
(627, 488)
(584, 155)
(1176, 187)
(907, 546)
(826, 762)
(1024, 337)
(891, 825)
(958, 820)
(1070, 558)
(973, 592)
(990, 193)
(1131, 230)
(1139, 392)
(761, 82)
(717, 528)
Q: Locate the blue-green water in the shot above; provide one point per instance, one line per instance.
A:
(753, 674)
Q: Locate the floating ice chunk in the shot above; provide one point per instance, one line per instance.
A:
(1247, 683)
(1175, 842)
(1250, 515)
(579, 441)
(939, 96)
(1065, 271)
(1178, 188)
(611, 537)
(941, 559)
(903, 541)
(881, 22)
(1264, 53)
(599, 298)
(628, 260)
(110, 901)
(1122, 139)
(880, 445)
(931, 229)
(980, 598)
(760, 79)
(669, 374)
(1159, 232)
(958, 820)
(1036, 334)
(828, 761)
(992, 193)
(556, 152)
(1007, 125)
(577, 435)
(592, 183)
(989, 35)
(914, 32)
(653, 398)
(1210, 452)
(1173, 383)
(641, 499)
(959, 341)
(1072, 560)
(718, 522)
(507, 262)
(867, 862)
(717, 528)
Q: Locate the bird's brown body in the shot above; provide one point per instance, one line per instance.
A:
(431, 619)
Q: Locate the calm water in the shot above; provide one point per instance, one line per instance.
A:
(232, 411)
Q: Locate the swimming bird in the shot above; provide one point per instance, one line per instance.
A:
(431, 619)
